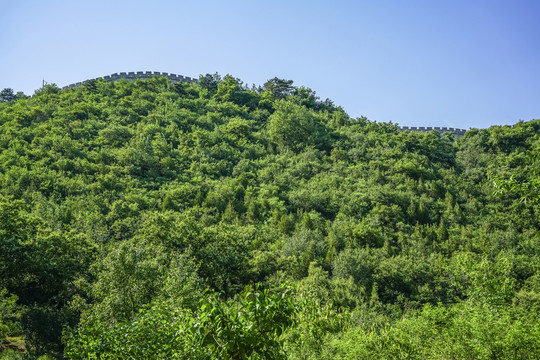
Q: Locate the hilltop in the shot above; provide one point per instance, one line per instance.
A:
(208, 219)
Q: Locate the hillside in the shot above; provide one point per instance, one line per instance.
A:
(151, 219)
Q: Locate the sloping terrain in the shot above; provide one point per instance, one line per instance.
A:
(125, 206)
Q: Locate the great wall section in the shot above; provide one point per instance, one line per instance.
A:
(456, 131)
(179, 78)
(137, 75)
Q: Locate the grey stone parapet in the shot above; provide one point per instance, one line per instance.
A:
(138, 75)
(132, 76)
(441, 130)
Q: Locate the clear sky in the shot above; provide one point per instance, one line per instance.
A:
(459, 63)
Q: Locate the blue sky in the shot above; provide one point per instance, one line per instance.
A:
(463, 64)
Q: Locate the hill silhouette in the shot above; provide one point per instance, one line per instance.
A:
(150, 218)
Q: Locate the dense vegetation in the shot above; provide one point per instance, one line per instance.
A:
(154, 220)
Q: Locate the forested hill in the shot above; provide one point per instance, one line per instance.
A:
(148, 219)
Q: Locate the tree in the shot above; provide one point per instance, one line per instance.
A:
(528, 188)
(252, 324)
(7, 95)
(21, 95)
(9, 316)
(279, 87)
(231, 89)
(209, 82)
(294, 126)
(246, 327)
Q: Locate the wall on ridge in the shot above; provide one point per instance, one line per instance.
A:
(459, 132)
(138, 75)
(179, 78)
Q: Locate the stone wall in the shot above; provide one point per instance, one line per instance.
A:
(178, 78)
(456, 131)
(138, 75)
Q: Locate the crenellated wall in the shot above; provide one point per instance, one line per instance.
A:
(178, 78)
(459, 132)
(138, 75)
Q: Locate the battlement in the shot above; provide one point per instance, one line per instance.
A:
(456, 131)
(132, 76)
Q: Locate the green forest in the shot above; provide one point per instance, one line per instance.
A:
(213, 220)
